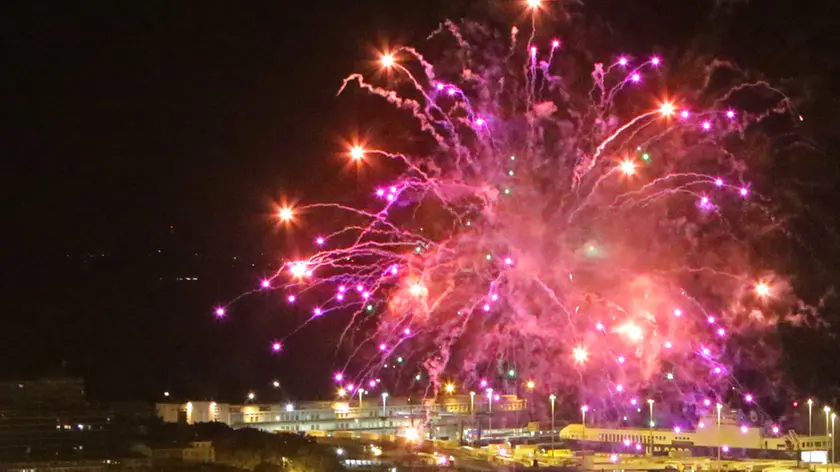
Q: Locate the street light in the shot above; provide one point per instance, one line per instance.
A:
(810, 408)
(275, 384)
(832, 440)
(827, 410)
(551, 398)
(384, 403)
(583, 411)
(650, 404)
(490, 408)
(361, 392)
(472, 404)
(719, 407)
(449, 388)
(251, 395)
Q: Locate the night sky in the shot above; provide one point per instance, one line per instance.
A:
(146, 142)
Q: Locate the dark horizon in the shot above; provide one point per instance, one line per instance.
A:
(149, 141)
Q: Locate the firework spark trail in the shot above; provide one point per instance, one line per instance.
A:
(481, 254)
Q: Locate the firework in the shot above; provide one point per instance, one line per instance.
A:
(592, 237)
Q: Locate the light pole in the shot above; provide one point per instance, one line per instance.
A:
(490, 408)
(827, 410)
(810, 411)
(361, 392)
(384, 403)
(650, 441)
(472, 405)
(583, 411)
(552, 398)
(719, 407)
(832, 440)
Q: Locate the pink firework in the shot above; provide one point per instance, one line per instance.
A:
(605, 213)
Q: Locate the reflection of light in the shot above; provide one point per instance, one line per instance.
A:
(411, 434)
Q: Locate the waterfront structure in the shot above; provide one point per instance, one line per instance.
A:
(440, 418)
(714, 436)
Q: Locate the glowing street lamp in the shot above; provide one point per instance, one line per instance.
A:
(833, 440)
(827, 410)
(472, 405)
(552, 398)
(342, 393)
(490, 408)
(719, 407)
(583, 411)
(251, 395)
(361, 393)
(650, 404)
(449, 388)
(384, 403)
(810, 406)
(275, 384)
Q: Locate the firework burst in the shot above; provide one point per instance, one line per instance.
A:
(575, 226)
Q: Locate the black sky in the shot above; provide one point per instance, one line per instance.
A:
(145, 141)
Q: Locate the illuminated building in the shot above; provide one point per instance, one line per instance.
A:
(703, 439)
(448, 416)
(50, 419)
